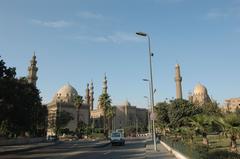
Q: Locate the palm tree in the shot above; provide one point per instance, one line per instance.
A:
(105, 105)
(109, 115)
(231, 127)
(78, 101)
(202, 123)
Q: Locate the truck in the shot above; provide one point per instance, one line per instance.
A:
(120, 131)
(117, 138)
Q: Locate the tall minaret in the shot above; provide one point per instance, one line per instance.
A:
(87, 97)
(32, 71)
(105, 85)
(91, 96)
(178, 80)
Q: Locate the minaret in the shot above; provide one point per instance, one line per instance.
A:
(178, 80)
(87, 97)
(32, 71)
(91, 96)
(105, 85)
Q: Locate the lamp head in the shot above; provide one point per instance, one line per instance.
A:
(145, 79)
(141, 33)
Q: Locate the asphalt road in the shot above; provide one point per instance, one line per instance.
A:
(134, 148)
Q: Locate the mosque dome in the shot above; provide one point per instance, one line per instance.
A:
(66, 93)
(200, 90)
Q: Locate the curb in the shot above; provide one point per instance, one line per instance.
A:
(27, 149)
(177, 154)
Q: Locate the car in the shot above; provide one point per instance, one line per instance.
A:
(117, 138)
(52, 138)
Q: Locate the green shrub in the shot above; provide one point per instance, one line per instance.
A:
(222, 155)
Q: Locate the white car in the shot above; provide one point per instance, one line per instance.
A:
(117, 138)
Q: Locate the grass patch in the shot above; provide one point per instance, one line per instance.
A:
(218, 148)
(216, 142)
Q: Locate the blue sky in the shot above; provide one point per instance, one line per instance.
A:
(77, 41)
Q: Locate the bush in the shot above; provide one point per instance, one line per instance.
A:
(98, 130)
(193, 151)
(222, 155)
(198, 151)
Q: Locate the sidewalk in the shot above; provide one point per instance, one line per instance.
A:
(161, 153)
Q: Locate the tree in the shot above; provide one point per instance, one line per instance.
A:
(237, 110)
(202, 123)
(174, 115)
(42, 114)
(105, 103)
(162, 116)
(20, 104)
(7, 76)
(6, 72)
(178, 112)
(109, 115)
(211, 108)
(231, 126)
(78, 101)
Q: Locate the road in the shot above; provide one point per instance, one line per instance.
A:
(134, 148)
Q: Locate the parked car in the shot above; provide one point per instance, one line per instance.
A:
(52, 138)
(117, 138)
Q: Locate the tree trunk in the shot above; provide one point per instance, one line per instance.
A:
(205, 139)
(104, 125)
(78, 118)
(191, 139)
(164, 132)
(233, 144)
(109, 124)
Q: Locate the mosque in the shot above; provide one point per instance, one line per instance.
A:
(200, 93)
(63, 100)
(125, 114)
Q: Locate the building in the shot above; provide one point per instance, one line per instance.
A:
(32, 71)
(231, 105)
(63, 100)
(127, 115)
(178, 80)
(98, 113)
(200, 95)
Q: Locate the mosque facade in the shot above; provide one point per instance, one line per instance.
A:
(63, 100)
(130, 116)
(126, 115)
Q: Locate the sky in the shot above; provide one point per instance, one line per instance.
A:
(77, 41)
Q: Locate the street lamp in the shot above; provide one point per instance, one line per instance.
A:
(59, 106)
(149, 127)
(149, 105)
(151, 86)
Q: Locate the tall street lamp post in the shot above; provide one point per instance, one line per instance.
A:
(149, 104)
(151, 81)
(149, 126)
